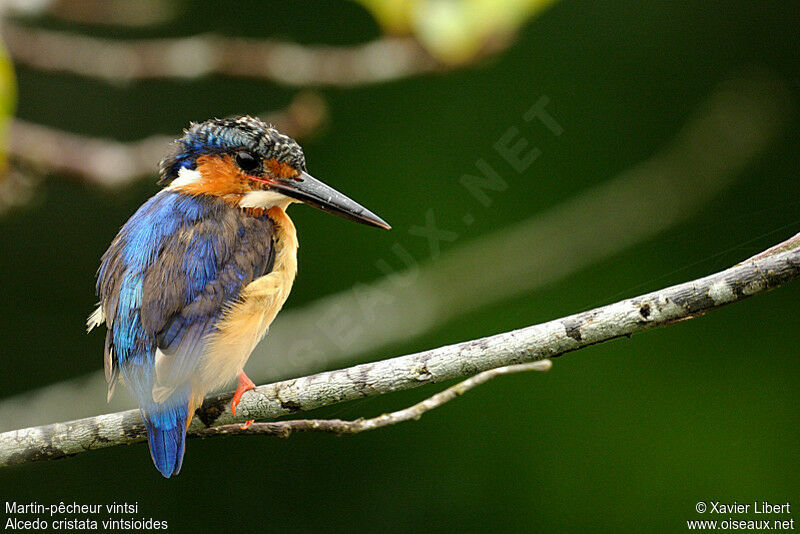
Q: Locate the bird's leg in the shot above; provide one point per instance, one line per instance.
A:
(245, 384)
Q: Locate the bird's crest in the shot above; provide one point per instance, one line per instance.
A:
(226, 136)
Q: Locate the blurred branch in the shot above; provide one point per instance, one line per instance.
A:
(112, 163)
(547, 340)
(102, 12)
(120, 61)
(284, 429)
(734, 126)
(115, 12)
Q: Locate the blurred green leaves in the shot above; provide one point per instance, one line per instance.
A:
(8, 100)
(455, 31)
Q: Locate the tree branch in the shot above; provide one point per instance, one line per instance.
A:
(757, 275)
(284, 429)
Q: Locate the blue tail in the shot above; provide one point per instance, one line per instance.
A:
(166, 432)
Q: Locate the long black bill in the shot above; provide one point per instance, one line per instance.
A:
(311, 191)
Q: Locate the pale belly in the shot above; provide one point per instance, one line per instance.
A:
(245, 323)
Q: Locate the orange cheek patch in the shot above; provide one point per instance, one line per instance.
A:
(223, 178)
(220, 177)
(280, 170)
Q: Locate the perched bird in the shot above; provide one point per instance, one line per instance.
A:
(193, 280)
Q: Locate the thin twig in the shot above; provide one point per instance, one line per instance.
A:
(547, 340)
(284, 429)
(116, 61)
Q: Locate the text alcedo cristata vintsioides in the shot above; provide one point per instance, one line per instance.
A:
(194, 278)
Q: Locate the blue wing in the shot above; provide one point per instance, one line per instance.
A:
(164, 283)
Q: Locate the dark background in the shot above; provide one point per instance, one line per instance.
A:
(624, 436)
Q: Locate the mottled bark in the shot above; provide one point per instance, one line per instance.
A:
(284, 429)
(759, 274)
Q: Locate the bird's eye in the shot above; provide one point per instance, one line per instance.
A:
(246, 161)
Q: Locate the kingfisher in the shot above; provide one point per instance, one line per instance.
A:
(194, 278)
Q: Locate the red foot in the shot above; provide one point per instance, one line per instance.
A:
(247, 424)
(245, 384)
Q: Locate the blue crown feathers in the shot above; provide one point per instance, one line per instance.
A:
(225, 136)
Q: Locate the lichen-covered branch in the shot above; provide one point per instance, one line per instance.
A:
(547, 340)
(284, 429)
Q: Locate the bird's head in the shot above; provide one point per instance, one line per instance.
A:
(250, 164)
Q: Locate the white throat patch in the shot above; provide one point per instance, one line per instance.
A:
(185, 177)
(264, 200)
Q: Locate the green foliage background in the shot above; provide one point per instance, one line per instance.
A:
(625, 436)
